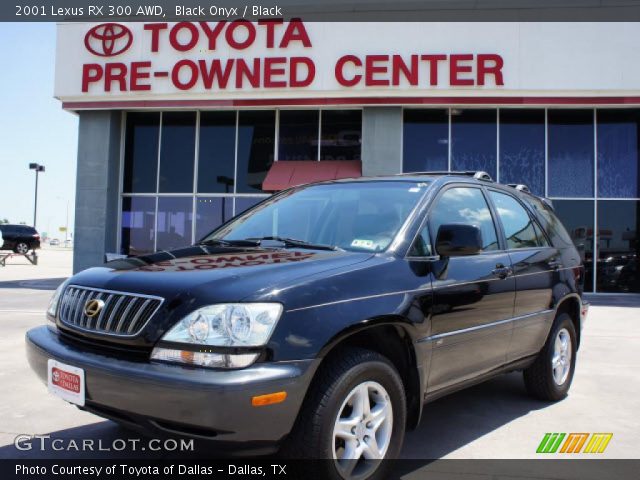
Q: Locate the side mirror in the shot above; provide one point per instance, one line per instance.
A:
(457, 240)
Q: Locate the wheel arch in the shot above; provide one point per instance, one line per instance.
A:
(570, 304)
(390, 337)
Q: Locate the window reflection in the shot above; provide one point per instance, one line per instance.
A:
(618, 246)
(577, 217)
(522, 148)
(570, 166)
(245, 203)
(474, 140)
(211, 212)
(141, 153)
(177, 150)
(216, 155)
(138, 225)
(174, 222)
(618, 145)
(298, 135)
(466, 206)
(425, 143)
(518, 226)
(256, 134)
(341, 135)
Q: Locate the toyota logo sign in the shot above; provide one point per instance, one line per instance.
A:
(108, 39)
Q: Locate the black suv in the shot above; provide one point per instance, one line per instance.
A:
(19, 238)
(324, 318)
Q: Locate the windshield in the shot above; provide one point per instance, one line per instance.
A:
(359, 216)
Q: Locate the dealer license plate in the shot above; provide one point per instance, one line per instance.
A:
(65, 381)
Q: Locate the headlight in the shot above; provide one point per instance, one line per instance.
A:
(224, 325)
(227, 325)
(52, 309)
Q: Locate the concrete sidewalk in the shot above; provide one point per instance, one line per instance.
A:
(494, 420)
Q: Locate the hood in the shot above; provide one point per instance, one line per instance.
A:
(220, 274)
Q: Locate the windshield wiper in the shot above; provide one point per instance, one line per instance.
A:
(293, 242)
(230, 243)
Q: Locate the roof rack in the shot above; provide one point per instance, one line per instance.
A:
(478, 175)
(520, 187)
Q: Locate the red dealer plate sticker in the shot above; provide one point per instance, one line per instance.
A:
(66, 382)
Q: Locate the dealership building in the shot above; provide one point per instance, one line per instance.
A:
(184, 125)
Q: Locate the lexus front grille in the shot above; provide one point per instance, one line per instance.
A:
(114, 313)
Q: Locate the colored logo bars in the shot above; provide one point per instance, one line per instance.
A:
(573, 442)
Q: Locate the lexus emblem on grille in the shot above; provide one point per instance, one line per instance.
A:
(93, 307)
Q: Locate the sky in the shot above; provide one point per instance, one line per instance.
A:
(34, 128)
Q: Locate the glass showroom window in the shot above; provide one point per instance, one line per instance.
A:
(618, 159)
(319, 135)
(212, 212)
(618, 268)
(340, 134)
(256, 136)
(177, 151)
(298, 134)
(425, 144)
(216, 152)
(245, 203)
(174, 220)
(141, 153)
(474, 140)
(577, 217)
(522, 148)
(138, 225)
(571, 143)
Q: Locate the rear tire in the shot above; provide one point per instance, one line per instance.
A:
(355, 408)
(549, 377)
(21, 248)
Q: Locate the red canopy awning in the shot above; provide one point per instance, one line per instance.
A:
(289, 173)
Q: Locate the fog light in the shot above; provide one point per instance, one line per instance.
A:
(203, 359)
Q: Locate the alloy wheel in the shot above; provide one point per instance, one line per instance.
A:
(561, 359)
(362, 430)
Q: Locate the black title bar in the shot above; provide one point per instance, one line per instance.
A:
(321, 10)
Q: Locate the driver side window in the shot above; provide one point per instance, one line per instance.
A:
(467, 206)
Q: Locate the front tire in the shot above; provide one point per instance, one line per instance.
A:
(549, 377)
(355, 414)
(21, 248)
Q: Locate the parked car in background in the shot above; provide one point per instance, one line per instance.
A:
(322, 319)
(54, 242)
(19, 238)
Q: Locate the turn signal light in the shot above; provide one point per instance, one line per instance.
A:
(268, 399)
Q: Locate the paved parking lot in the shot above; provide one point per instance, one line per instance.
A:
(495, 420)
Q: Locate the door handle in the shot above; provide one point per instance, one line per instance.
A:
(501, 271)
(555, 264)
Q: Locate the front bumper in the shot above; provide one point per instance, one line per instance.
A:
(196, 402)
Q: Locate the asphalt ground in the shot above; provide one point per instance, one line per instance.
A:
(493, 420)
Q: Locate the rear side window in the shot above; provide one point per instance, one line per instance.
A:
(465, 205)
(519, 228)
(550, 222)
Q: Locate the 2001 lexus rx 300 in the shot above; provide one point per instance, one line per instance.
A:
(324, 318)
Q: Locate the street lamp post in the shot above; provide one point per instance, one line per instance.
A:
(38, 168)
